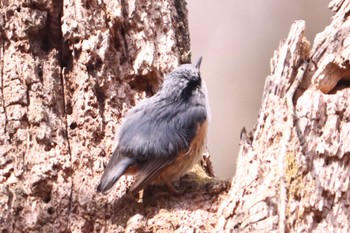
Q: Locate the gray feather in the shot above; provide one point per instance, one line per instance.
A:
(148, 172)
(161, 132)
(114, 170)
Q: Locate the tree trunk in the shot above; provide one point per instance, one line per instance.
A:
(69, 71)
(293, 171)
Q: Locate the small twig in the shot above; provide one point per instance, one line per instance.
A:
(288, 132)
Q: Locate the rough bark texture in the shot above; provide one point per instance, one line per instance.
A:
(293, 171)
(69, 70)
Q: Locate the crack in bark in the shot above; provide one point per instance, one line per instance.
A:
(123, 29)
(65, 58)
(290, 122)
(63, 83)
(2, 83)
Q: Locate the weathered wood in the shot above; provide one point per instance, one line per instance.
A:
(69, 70)
(293, 175)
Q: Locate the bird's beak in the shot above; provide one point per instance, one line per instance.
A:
(198, 64)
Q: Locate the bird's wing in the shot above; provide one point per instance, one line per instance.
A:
(162, 131)
(158, 137)
(114, 170)
(148, 172)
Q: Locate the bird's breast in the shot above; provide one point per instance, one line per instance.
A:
(187, 159)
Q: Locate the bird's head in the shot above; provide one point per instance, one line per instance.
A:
(183, 80)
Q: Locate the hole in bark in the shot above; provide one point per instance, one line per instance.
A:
(66, 55)
(69, 108)
(9, 13)
(42, 188)
(18, 210)
(100, 95)
(346, 155)
(87, 5)
(73, 125)
(95, 63)
(40, 71)
(47, 146)
(76, 40)
(146, 83)
(98, 136)
(47, 198)
(327, 195)
(4, 231)
(341, 85)
(55, 167)
(50, 210)
(8, 174)
(318, 216)
(102, 153)
(335, 78)
(297, 197)
(327, 162)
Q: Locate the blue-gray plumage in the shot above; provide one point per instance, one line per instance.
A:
(163, 136)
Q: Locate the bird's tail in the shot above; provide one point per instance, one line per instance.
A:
(114, 170)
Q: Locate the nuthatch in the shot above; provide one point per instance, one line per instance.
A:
(163, 136)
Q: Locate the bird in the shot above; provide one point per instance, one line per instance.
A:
(163, 136)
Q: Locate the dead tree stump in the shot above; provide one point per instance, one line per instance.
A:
(293, 170)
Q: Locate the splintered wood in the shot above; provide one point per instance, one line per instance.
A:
(293, 172)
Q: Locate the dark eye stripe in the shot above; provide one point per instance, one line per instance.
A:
(191, 86)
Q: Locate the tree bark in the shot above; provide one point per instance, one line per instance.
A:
(69, 71)
(293, 169)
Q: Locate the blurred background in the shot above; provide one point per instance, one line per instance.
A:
(237, 40)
